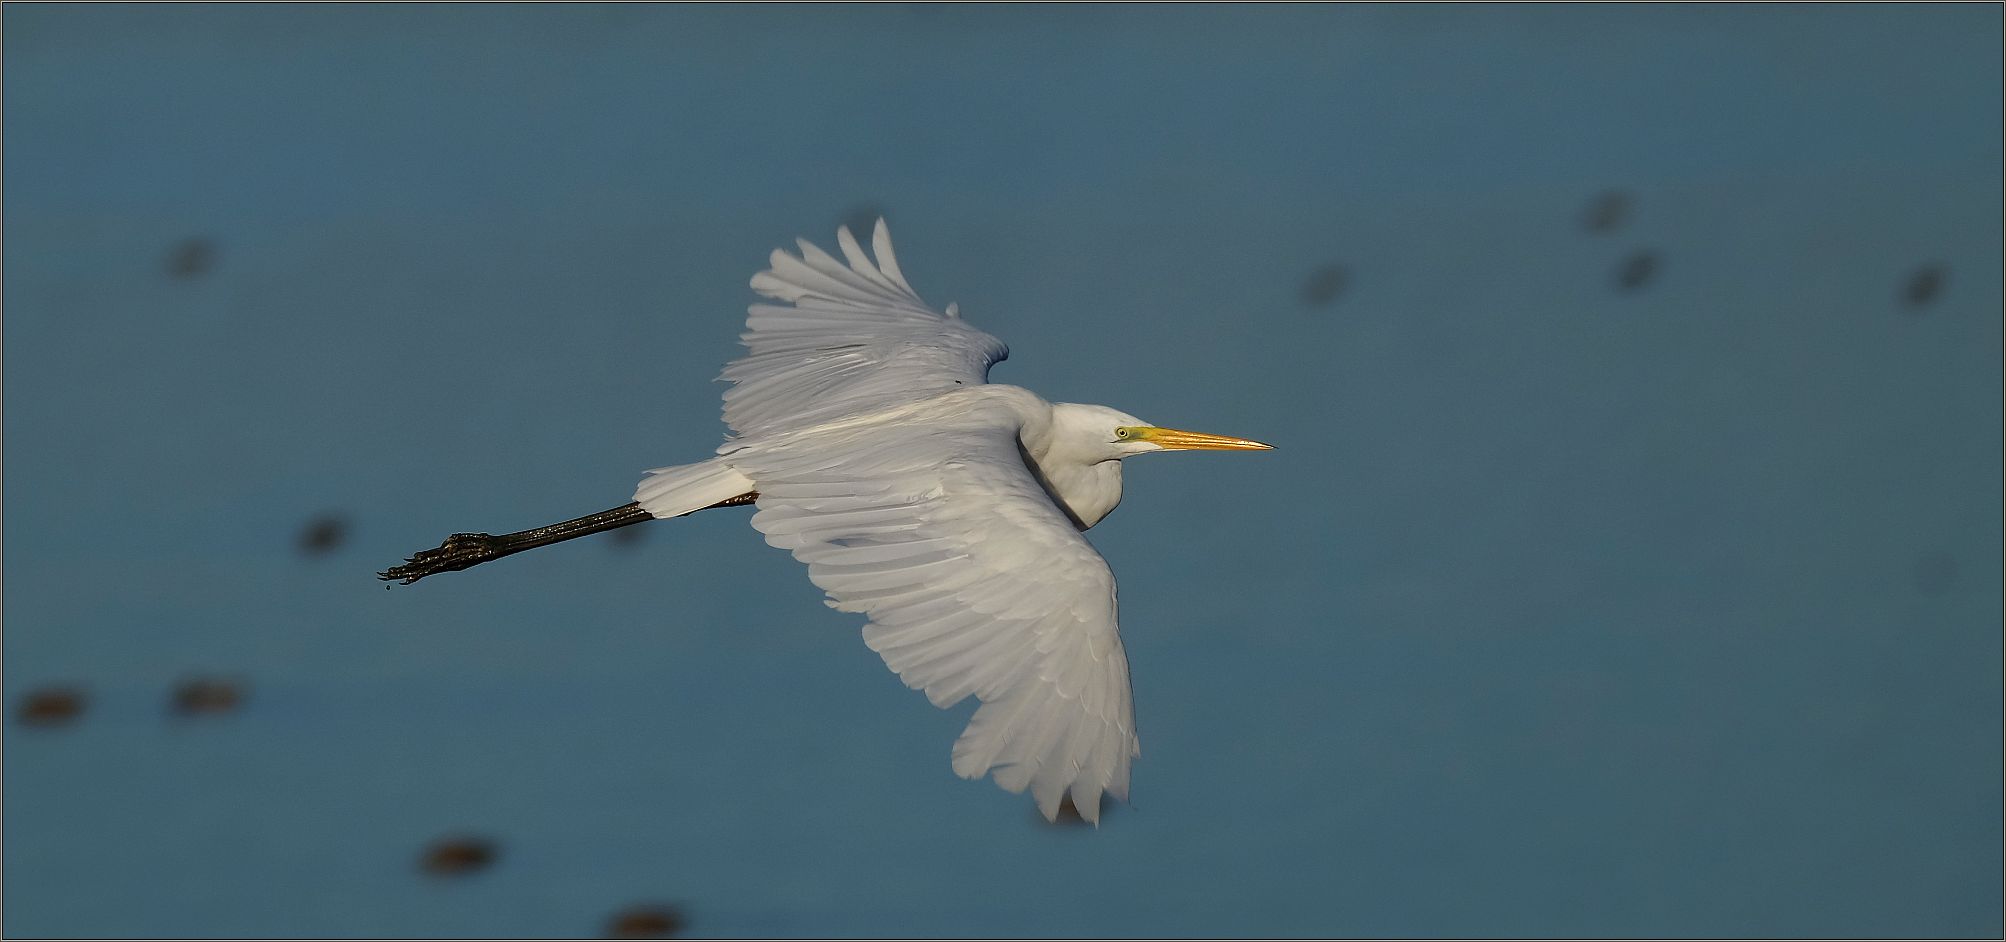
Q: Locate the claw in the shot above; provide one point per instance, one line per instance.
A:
(460, 551)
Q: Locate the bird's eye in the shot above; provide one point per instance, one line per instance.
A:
(1121, 433)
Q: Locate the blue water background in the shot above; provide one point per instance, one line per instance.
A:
(1561, 609)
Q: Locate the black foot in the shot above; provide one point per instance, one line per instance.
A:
(460, 551)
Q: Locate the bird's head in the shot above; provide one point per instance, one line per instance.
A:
(1110, 433)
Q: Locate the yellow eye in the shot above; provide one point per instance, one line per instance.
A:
(1121, 433)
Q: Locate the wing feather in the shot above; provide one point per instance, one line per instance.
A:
(851, 337)
(888, 263)
(975, 584)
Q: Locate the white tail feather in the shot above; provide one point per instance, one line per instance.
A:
(674, 491)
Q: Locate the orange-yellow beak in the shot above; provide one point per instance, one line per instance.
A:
(1178, 440)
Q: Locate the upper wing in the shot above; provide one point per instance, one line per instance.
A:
(975, 583)
(851, 338)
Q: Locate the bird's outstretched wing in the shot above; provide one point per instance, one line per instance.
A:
(849, 338)
(975, 583)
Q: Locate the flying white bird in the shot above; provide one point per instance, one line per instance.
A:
(947, 509)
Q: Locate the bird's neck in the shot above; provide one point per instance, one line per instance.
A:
(1086, 490)
(1086, 493)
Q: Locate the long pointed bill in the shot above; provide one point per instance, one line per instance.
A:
(1177, 440)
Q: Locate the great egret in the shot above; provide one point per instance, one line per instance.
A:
(946, 509)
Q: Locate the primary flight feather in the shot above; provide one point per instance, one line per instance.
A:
(946, 509)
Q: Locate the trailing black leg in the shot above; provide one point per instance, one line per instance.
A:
(465, 550)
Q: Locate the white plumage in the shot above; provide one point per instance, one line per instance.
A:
(851, 339)
(946, 509)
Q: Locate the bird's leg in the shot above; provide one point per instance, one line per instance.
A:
(464, 550)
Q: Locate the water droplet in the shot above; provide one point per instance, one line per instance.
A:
(323, 534)
(646, 922)
(1923, 285)
(1637, 271)
(51, 706)
(191, 257)
(1325, 284)
(1607, 212)
(457, 856)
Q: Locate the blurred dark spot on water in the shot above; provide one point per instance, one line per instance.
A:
(1923, 285)
(1935, 572)
(323, 534)
(863, 220)
(191, 257)
(457, 856)
(646, 922)
(1637, 270)
(629, 537)
(1325, 284)
(1607, 212)
(202, 696)
(53, 706)
(1069, 814)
